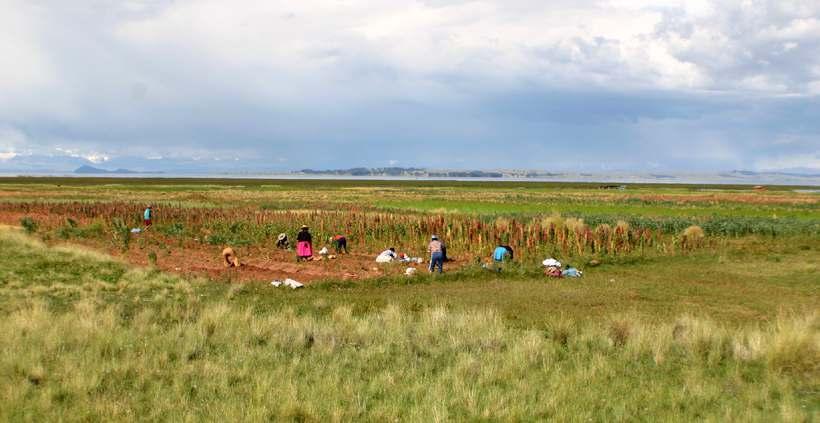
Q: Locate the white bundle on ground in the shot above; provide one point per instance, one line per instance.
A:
(293, 284)
(287, 282)
(551, 262)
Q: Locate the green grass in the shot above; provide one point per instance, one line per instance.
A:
(612, 208)
(86, 337)
(729, 332)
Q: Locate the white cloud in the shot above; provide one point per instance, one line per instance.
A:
(94, 57)
(197, 78)
(604, 43)
(12, 139)
(91, 156)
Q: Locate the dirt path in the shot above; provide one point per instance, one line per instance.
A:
(258, 264)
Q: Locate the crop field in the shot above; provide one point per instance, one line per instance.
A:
(696, 303)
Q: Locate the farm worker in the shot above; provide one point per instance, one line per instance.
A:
(231, 259)
(282, 242)
(304, 244)
(436, 254)
(339, 243)
(387, 256)
(502, 253)
(148, 215)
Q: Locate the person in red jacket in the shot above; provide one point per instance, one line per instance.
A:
(339, 243)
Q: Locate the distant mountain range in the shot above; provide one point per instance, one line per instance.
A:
(797, 172)
(415, 172)
(30, 164)
(91, 170)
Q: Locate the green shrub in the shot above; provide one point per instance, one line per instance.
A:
(120, 233)
(29, 224)
(174, 229)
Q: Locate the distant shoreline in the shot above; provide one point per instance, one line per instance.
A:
(641, 179)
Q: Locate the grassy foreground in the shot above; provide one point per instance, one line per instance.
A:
(83, 337)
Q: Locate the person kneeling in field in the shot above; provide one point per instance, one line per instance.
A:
(282, 242)
(387, 256)
(230, 257)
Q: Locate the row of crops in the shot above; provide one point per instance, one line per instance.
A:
(369, 230)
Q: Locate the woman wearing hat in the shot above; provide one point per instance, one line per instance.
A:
(304, 244)
(282, 242)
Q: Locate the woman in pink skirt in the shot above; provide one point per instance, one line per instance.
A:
(304, 245)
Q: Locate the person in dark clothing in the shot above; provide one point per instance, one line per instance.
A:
(304, 245)
(339, 243)
(282, 241)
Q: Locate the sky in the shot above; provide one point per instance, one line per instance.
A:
(582, 85)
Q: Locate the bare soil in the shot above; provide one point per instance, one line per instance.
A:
(259, 264)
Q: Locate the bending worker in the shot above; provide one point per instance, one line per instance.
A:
(436, 254)
(282, 241)
(501, 254)
(339, 243)
(231, 259)
(387, 256)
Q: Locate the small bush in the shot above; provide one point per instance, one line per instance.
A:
(174, 229)
(692, 237)
(120, 233)
(29, 224)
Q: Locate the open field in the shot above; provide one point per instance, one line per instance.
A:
(97, 324)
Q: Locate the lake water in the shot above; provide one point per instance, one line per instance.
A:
(614, 178)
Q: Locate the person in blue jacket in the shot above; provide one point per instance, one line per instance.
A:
(502, 254)
(148, 216)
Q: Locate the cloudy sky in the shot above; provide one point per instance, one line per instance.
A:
(570, 85)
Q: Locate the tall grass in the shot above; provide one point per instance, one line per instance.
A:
(83, 337)
(240, 364)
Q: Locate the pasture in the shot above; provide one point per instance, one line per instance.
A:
(668, 323)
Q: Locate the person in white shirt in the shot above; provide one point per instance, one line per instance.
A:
(387, 256)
